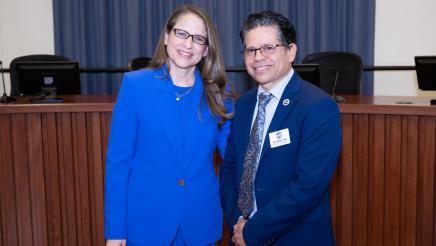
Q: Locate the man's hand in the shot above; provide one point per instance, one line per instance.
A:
(238, 237)
(115, 242)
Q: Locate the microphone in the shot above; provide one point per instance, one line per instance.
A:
(338, 99)
(5, 98)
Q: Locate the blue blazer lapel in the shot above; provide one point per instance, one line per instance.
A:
(246, 118)
(164, 98)
(199, 120)
(290, 93)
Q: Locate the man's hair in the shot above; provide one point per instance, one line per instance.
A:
(285, 28)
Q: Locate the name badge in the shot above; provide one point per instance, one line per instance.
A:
(279, 138)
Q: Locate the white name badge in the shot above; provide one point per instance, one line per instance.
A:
(279, 138)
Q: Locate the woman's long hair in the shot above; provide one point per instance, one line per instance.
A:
(211, 66)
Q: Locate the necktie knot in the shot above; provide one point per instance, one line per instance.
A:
(264, 99)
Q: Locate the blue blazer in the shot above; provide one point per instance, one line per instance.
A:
(153, 183)
(291, 184)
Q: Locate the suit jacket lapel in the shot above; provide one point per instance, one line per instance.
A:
(282, 110)
(165, 101)
(198, 120)
(246, 115)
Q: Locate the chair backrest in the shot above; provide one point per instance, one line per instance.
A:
(347, 66)
(15, 84)
(426, 72)
(139, 63)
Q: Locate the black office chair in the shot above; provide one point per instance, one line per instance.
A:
(341, 68)
(139, 63)
(15, 88)
(426, 72)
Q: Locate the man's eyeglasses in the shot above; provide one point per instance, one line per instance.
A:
(264, 50)
(198, 39)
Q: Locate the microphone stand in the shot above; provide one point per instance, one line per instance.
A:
(5, 98)
(335, 97)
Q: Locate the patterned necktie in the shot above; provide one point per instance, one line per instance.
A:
(252, 156)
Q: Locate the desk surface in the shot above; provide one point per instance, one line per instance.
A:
(388, 105)
(76, 103)
(352, 104)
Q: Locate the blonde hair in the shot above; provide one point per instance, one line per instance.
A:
(211, 67)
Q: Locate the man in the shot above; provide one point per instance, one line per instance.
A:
(283, 146)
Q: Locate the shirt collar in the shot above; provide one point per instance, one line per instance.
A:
(278, 89)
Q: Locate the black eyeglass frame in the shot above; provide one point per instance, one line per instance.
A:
(263, 50)
(186, 35)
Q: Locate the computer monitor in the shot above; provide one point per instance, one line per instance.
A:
(57, 77)
(426, 72)
(308, 72)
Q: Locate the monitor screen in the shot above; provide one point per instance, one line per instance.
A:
(36, 76)
(308, 72)
(426, 72)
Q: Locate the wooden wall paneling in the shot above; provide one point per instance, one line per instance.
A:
(53, 160)
(81, 165)
(333, 188)
(96, 160)
(360, 179)
(66, 173)
(426, 213)
(376, 174)
(36, 178)
(1, 217)
(105, 124)
(392, 181)
(21, 178)
(74, 152)
(52, 179)
(409, 172)
(8, 222)
(106, 118)
(343, 218)
(432, 163)
(91, 175)
(2, 187)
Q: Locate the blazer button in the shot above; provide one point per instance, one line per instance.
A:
(181, 182)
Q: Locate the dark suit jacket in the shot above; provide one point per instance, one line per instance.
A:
(292, 180)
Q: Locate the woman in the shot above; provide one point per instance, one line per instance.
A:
(161, 188)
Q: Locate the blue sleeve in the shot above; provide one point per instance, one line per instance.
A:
(118, 160)
(225, 129)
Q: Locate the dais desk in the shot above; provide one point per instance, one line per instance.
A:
(52, 172)
(383, 191)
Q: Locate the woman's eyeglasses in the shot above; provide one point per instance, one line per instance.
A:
(198, 39)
